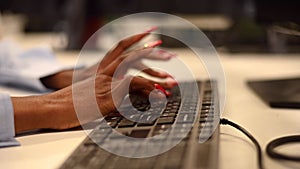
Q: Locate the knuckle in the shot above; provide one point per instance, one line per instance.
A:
(122, 44)
(123, 57)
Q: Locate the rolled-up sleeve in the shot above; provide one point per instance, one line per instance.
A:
(7, 129)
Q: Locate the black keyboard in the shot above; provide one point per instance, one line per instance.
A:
(184, 113)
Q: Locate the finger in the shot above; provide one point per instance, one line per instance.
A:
(128, 42)
(157, 54)
(124, 62)
(169, 83)
(136, 85)
(160, 54)
(146, 69)
(146, 86)
(153, 44)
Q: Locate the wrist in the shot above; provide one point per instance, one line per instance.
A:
(51, 111)
(60, 110)
(29, 113)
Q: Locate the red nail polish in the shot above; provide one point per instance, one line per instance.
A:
(153, 44)
(168, 93)
(174, 84)
(159, 87)
(151, 29)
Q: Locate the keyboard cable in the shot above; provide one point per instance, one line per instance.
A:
(224, 121)
(271, 146)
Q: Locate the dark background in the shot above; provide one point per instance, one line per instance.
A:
(253, 20)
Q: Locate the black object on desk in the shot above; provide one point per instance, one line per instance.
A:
(280, 93)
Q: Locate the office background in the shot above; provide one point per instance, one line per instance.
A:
(258, 39)
(254, 25)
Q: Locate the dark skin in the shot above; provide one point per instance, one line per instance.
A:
(64, 78)
(56, 110)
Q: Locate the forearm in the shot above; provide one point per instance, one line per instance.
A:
(29, 113)
(65, 78)
(45, 111)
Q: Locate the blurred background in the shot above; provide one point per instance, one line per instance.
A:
(232, 25)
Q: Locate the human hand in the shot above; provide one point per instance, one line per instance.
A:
(56, 110)
(64, 78)
(109, 92)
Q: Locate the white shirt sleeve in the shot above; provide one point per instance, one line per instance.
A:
(7, 127)
(24, 68)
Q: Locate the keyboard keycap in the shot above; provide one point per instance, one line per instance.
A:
(147, 120)
(139, 133)
(165, 120)
(126, 123)
(112, 124)
(168, 114)
(186, 118)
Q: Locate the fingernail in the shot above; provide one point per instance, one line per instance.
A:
(174, 84)
(151, 29)
(153, 44)
(159, 87)
(168, 93)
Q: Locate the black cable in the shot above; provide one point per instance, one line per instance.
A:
(224, 121)
(279, 142)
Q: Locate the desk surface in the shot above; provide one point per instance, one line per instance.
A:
(49, 150)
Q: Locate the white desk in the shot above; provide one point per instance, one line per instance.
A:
(48, 151)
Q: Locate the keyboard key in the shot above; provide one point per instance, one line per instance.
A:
(165, 120)
(207, 103)
(147, 120)
(161, 128)
(126, 123)
(112, 124)
(174, 111)
(115, 114)
(205, 107)
(133, 117)
(168, 114)
(206, 120)
(176, 103)
(112, 118)
(139, 133)
(186, 118)
(187, 112)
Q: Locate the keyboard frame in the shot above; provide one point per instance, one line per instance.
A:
(204, 155)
